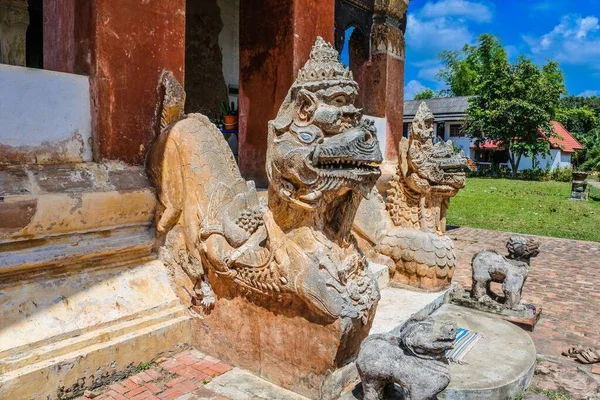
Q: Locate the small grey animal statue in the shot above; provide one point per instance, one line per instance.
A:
(413, 359)
(490, 266)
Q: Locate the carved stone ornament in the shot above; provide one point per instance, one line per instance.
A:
(412, 231)
(263, 274)
(414, 359)
(512, 271)
(14, 20)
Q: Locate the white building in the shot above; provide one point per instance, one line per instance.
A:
(449, 114)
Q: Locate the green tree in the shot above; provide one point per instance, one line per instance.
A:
(592, 162)
(592, 102)
(459, 72)
(511, 103)
(577, 120)
(425, 94)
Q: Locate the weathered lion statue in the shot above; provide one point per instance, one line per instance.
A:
(490, 266)
(263, 275)
(413, 359)
(407, 228)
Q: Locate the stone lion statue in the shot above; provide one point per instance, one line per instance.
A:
(490, 266)
(414, 359)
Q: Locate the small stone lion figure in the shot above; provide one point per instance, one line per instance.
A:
(490, 266)
(413, 359)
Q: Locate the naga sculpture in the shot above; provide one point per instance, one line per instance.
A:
(512, 271)
(265, 275)
(411, 231)
(414, 359)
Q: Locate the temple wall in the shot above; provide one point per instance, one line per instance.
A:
(45, 117)
(134, 41)
(270, 57)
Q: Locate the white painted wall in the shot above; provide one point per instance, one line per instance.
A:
(229, 41)
(380, 125)
(464, 143)
(39, 107)
(556, 159)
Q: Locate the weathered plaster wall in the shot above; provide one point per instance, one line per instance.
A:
(45, 117)
(134, 42)
(204, 83)
(82, 297)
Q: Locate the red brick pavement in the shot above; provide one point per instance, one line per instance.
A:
(181, 376)
(564, 280)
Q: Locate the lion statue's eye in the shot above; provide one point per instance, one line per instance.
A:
(306, 137)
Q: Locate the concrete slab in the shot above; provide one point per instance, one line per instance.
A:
(398, 305)
(499, 367)
(238, 384)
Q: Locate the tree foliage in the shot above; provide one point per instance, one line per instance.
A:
(425, 94)
(581, 116)
(510, 103)
(577, 120)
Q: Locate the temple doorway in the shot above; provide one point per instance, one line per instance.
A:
(212, 63)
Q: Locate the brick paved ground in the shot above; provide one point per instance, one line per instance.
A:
(564, 280)
(181, 376)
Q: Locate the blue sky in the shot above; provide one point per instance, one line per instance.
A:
(567, 31)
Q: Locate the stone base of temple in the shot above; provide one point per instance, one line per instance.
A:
(65, 334)
(288, 350)
(82, 299)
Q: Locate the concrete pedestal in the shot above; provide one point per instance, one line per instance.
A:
(498, 367)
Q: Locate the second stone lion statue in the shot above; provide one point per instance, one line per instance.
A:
(512, 271)
(414, 359)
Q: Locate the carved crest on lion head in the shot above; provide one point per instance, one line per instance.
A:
(320, 147)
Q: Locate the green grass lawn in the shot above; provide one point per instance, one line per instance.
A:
(538, 208)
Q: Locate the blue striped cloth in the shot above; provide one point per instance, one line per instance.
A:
(465, 340)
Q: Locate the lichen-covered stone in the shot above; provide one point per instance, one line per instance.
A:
(413, 359)
(512, 271)
(428, 176)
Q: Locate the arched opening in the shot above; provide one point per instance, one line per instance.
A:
(354, 53)
(358, 49)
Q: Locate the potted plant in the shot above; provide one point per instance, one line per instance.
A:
(230, 116)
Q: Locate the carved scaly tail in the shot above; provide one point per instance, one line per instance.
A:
(173, 102)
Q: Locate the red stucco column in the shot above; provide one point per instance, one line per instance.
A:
(384, 74)
(133, 42)
(275, 40)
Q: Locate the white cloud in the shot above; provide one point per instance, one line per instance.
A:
(545, 6)
(436, 35)
(470, 10)
(590, 93)
(428, 69)
(576, 40)
(412, 88)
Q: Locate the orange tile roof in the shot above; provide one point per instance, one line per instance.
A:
(566, 142)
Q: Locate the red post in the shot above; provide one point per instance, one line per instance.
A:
(270, 56)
